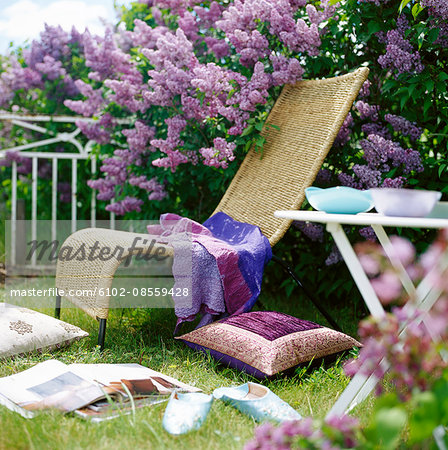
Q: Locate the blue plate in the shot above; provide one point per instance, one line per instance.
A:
(339, 200)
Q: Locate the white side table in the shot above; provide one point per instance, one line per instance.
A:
(361, 386)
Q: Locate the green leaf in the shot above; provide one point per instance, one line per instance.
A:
(427, 105)
(403, 4)
(260, 141)
(441, 87)
(247, 130)
(386, 427)
(429, 85)
(442, 168)
(373, 27)
(443, 76)
(403, 101)
(433, 35)
(424, 418)
(416, 10)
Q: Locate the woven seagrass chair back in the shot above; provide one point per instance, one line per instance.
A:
(308, 115)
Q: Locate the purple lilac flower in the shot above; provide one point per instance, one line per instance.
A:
(208, 15)
(348, 180)
(368, 233)
(377, 2)
(367, 111)
(65, 192)
(324, 177)
(152, 186)
(365, 89)
(107, 61)
(344, 133)
(124, 206)
(375, 128)
(106, 188)
(442, 26)
(15, 77)
(175, 125)
(368, 177)
(24, 164)
(51, 68)
(126, 94)
(239, 22)
(437, 8)
(400, 55)
(334, 257)
(44, 169)
(94, 131)
(404, 126)
(377, 151)
(188, 24)
(285, 70)
(145, 36)
(139, 137)
(220, 154)
(173, 59)
(53, 42)
(90, 107)
(347, 426)
(409, 159)
(396, 183)
(313, 231)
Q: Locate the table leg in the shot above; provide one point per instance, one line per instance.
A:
(357, 390)
(356, 270)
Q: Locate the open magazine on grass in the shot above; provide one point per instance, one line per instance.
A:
(95, 391)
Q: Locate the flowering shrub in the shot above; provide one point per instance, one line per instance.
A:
(205, 73)
(197, 79)
(418, 367)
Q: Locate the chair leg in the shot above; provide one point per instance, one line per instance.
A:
(57, 309)
(102, 333)
(311, 297)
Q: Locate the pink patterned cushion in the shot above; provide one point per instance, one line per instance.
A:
(264, 343)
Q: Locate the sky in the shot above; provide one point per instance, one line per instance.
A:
(24, 19)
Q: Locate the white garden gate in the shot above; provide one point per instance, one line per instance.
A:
(81, 152)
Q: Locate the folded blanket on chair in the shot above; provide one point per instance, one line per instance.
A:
(225, 269)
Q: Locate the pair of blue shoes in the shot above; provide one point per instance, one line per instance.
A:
(186, 412)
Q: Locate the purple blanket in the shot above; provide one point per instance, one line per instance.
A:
(220, 264)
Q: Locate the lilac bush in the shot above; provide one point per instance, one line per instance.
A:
(203, 73)
(197, 80)
(211, 72)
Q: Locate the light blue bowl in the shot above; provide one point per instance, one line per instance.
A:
(339, 200)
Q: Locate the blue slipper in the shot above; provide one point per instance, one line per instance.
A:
(258, 402)
(186, 412)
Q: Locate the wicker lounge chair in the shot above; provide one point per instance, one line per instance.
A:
(307, 116)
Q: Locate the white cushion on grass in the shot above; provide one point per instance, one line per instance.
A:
(23, 330)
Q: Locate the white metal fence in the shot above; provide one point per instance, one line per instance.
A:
(82, 152)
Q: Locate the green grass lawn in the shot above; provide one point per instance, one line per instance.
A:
(146, 338)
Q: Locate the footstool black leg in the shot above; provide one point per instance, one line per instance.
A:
(57, 309)
(102, 333)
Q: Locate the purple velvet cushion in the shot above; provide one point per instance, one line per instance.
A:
(264, 343)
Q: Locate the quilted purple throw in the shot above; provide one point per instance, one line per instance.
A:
(219, 264)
